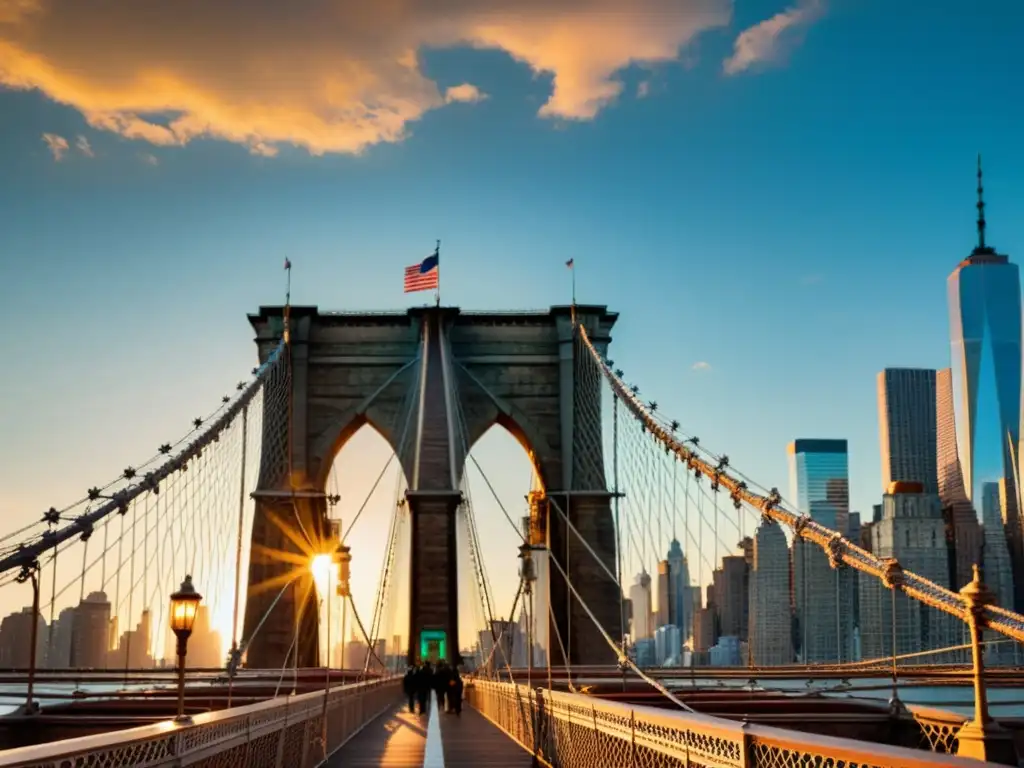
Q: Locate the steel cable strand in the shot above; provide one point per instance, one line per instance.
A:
(837, 546)
(463, 432)
(623, 658)
(221, 418)
(407, 409)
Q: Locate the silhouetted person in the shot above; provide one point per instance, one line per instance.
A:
(441, 678)
(424, 684)
(455, 692)
(409, 686)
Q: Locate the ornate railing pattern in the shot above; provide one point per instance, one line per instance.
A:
(568, 730)
(286, 731)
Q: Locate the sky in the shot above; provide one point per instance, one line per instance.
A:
(771, 194)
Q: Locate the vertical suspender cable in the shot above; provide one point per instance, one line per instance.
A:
(238, 546)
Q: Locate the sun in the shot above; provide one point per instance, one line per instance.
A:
(323, 573)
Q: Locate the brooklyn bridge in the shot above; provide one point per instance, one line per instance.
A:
(240, 509)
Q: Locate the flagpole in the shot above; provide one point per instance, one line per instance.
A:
(437, 293)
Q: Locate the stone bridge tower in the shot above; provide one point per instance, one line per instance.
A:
(432, 381)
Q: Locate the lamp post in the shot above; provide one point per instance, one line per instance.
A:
(336, 554)
(529, 576)
(184, 606)
(31, 573)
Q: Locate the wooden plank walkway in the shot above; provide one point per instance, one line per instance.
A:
(472, 740)
(398, 738)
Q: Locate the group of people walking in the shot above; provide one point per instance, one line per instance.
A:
(441, 679)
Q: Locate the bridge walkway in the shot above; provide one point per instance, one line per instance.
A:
(401, 739)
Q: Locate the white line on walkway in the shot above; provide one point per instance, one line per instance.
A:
(433, 754)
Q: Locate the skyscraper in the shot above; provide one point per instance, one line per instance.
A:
(907, 427)
(666, 595)
(985, 342)
(681, 613)
(769, 623)
(912, 531)
(963, 533)
(823, 596)
(640, 597)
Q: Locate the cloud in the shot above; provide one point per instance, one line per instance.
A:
(643, 89)
(149, 159)
(57, 145)
(466, 93)
(701, 365)
(324, 75)
(767, 41)
(83, 146)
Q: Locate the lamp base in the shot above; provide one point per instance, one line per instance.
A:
(183, 720)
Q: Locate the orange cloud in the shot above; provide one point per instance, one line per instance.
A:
(325, 75)
(764, 42)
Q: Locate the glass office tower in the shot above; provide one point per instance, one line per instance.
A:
(819, 473)
(985, 341)
(820, 478)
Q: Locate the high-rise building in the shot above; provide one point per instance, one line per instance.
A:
(640, 597)
(731, 596)
(985, 342)
(90, 635)
(906, 426)
(963, 533)
(679, 577)
(15, 643)
(823, 596)
(770, 625)
(59, 640)
(666, 595)
(668, 646)
(911, 530)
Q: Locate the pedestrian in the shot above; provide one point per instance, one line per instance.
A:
(409, 686)
(424, 684)
(455, 692)
(441, 678)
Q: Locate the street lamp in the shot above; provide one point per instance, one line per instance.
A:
(184, 606)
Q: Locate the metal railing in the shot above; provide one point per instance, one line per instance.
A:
(568, 730)
(286, 731)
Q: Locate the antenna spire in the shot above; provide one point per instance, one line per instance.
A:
(981, 208)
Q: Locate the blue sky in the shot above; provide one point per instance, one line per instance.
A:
(789, 220)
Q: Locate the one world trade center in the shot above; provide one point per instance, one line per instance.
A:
(985, 338)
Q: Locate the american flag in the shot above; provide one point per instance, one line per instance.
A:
(423, 276)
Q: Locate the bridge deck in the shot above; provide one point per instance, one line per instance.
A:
(400, 738)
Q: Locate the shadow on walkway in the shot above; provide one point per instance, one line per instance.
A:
(395, 739)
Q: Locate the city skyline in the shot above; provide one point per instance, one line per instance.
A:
(128, 280)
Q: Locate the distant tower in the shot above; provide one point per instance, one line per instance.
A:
(770, 624)
(823, 596)
(640, 597)
(681, 613)
(985, 342)
(907, 427)
(912, 531)
(666, 595)
(963, 532)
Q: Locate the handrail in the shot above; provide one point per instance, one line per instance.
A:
(567, 729)
(166, 743)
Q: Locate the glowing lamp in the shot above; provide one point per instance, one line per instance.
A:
(184, 606)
